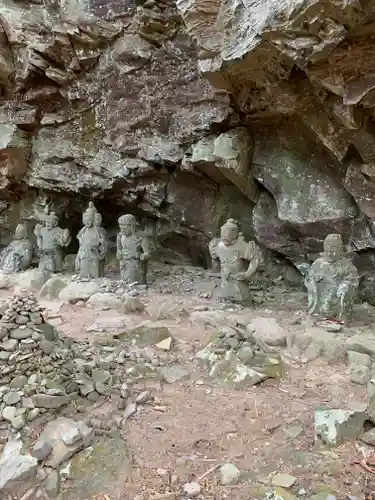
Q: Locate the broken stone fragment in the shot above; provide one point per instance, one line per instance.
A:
(334, 427)
(63, 430)
(41, 450)
(17, 471)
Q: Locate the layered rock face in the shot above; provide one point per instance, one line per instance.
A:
(186, 113)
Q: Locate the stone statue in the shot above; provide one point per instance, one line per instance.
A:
(332, 282)
(132, 251)
(98, 220)
(92, 246)
(50, 241)
(18, 255)
(239, 261)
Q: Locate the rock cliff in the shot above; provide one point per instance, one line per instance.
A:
(188, 112)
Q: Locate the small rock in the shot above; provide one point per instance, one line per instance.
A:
(18, 421)
(165, 344)
(283, 480)
(371, 388)
(21, 333)
(18, 382)
(100, 376)
(173, 373)
(267, 330)
(143, 397)
(52, 484)
(9, 413)
(130, 410)
(229, 474)
(192, 489)
(9, 345)
(50, 402)
(41, 450)
(71, 436)
(12, 398)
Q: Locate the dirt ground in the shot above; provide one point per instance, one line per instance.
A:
(197, 425)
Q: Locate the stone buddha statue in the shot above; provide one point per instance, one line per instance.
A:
(51, 239)
(92, 245)
(98, 220)
(18, 255)
(239, 260)
(132, 251)
(332, 282)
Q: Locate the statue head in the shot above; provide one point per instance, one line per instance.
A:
(229, 232)
(98, 219)
(51, 220)
(333, 247)
(127, 224)
(88, 217)
(20, 232)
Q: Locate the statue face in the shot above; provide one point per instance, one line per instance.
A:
(98, 220)
(88, 220)
(332, 251)
(228, 236)
(127, 229)
(49, 224)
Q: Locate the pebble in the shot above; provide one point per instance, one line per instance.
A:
(192, 489)
(229, 474)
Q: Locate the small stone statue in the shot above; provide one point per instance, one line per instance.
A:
(332, 282)
(132, 251)
(92, 246)
(103, 233)
(18, 255)
(239, 261)
(50, 241)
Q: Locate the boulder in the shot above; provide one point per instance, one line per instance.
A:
(52, 288)
(267, 330)
(336, 426)
(32, 279)
(79, 290)
(104, 301)
(314, 342)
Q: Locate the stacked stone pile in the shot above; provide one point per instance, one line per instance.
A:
(234, 357)
(42, 373)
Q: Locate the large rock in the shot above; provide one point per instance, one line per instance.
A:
(17, 471)
(335, 426)
(79, 290)
(66, 437)
(33, 279)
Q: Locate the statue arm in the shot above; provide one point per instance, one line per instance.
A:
(254, 255)
(118, 246)
(145, 245)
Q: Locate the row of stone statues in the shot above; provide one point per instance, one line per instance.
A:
(132, 247)
(332, 280)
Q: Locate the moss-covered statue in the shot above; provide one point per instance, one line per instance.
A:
(50, 240)
(239, 260)
(332, 282)
(92, 246)
(132, 251)
(18, 255)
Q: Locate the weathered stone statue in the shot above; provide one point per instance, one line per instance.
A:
(92, 246)
(98, 220)
(50, 241)
(132, 251)
(18, 255)
(239, 260)
(332, 282)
